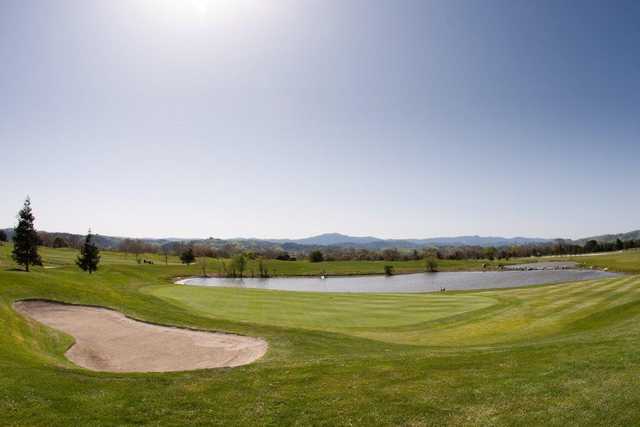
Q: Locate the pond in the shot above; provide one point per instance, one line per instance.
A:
(418, 282)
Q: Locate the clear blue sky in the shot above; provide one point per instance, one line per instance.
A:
(228, 118)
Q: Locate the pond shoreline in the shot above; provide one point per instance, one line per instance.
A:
(534, 266)
(409, 283)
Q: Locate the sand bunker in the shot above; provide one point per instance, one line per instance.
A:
(107, 340)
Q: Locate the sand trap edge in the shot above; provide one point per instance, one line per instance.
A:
(26, 316)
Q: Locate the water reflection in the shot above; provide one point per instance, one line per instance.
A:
(421, 282)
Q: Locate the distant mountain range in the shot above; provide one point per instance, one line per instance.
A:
(369, 242)
(329, 239)
(346, 241)
(608, 238)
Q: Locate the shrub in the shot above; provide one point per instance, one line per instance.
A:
(316, 256)
(283, 256)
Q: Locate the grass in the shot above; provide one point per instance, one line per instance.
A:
(627, 261)
(546, 355)
(61, 257)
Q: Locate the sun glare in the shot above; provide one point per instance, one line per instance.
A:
(208, 11)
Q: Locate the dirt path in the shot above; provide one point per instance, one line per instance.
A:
(106, 340)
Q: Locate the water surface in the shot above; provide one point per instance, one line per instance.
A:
(419, 282)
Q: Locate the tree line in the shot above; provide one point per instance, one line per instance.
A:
(558, 247)
(26, 241)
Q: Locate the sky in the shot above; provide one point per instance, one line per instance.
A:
(289, 118)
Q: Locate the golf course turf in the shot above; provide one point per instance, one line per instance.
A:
(545, 355)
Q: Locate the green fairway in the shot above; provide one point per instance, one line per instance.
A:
(547, 355)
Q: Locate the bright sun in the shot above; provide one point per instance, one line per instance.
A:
(215, 10)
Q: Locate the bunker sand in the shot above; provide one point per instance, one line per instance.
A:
(107, 340)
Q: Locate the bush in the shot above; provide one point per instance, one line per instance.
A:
(316, 256)
(283, 256)
(388, 270)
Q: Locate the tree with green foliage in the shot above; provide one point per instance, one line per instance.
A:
(3, 236)
(59, 242)
(591, 246)
(490, 253)
(25, 239)
(619, 245)
(203, 266)
(316, 256)
(89, 257)
(187, 257)
(239, 264)
(165, 253)
(431, 264)
(263, 272)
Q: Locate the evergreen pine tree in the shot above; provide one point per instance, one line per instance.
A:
(25, 239)
(89, 255)
(187, 257)
(3, 236)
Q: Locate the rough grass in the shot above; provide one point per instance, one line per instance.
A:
(549, 355)
(61, 257)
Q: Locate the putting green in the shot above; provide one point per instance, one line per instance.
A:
(378, 316)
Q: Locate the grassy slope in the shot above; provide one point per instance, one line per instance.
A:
(564, 354)
(628, 261)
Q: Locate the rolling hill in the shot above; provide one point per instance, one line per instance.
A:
(344, 241)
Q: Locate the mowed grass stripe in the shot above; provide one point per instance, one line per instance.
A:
(530, 317)
(600, 297)
(587, 294)
(337, 312)
(551, 291)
